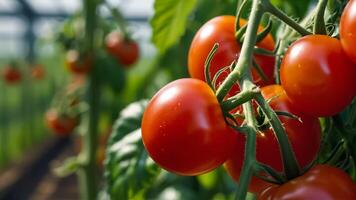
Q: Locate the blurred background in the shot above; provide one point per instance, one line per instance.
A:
(30, 43)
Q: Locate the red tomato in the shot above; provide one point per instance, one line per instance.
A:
(61, 125)
(304, 137)
(318, 76)
(78, 64)
(37, 72)
(320, 182)
(183, 128)
(348, 30)
(221, 30)
(126, 51)
(11, 75)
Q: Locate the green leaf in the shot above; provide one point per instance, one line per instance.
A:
(128, 169)
(111, 72)
(169, 21)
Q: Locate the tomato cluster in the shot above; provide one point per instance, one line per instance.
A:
(12, 74)
(329, 75)
(185, 131)
(304, 136)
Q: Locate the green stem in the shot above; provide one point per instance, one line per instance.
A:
(117, 15)
(87, 173)
(249, 162)
(239, 99)
(282, 45)
(242, 67)
(88, 182)
(263, 34)
(241, 73)
(207, 65)
(282, 16)
(290, 163)
(245, 58)
(279, 178)
(238, 14)
(319, 23)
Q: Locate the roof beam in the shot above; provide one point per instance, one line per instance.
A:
(26, 8)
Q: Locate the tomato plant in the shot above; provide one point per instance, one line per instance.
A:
(348, 30)
(221, 30)
(188, 128)
(125, 50)
(183, 128)
(321, 84)
(61, 125)
(11, 75)
(320, 182)
(77, 63)
(304, 136)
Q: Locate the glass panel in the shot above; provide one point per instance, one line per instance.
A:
(134, 7)
(11, 48)
(8, 5)
(46, 27)
(12, 26)
(55, 6)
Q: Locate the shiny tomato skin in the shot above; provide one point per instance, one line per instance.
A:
(321, 182)
(126, 51)
(11, 75)
(304, 136)
(183, 128)
(348, 29)
(318, 76)
(221, 30)
(61, 125)
(78, 64)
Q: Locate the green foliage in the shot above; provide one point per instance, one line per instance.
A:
(295, 8)
(169, 21)
(128, 169)
(110, 72)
